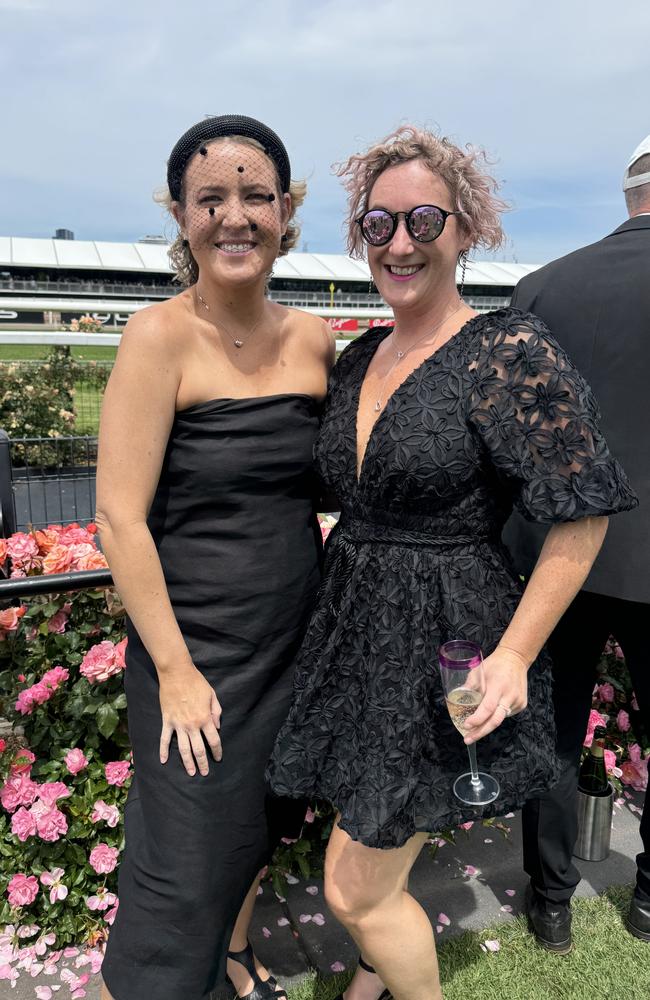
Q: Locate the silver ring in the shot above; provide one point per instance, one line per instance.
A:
(505, 708)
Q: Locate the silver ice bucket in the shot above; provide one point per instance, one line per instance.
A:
(594, 826)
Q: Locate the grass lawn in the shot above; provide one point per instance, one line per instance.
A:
(30, 352)
(606, 963)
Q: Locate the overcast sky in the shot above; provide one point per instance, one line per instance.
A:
(94, 95)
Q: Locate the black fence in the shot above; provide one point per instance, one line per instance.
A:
(46, 481)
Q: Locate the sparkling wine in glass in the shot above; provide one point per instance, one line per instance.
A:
(463, 682)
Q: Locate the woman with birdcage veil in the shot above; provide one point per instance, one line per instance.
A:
(205, 507)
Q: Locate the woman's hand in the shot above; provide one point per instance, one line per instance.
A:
(191, 709)
(506, 692)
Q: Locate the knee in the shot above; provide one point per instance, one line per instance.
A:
(349, 901)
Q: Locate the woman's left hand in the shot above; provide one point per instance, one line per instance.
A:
(506, 693)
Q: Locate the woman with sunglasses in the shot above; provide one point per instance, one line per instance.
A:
(433, 430)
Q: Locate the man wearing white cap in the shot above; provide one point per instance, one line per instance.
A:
(596, 302)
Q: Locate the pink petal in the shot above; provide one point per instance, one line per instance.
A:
(507, 908)
(337, 967)
(312, 890)
(443, 919)
(266, 932)
(319, 919)
(511, 892)
(439, 929)
(304, 918)
(491, 946)
(488, 840)
(283, 922)
(471, 870)
(44, 993)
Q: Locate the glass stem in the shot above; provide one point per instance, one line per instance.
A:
(471, 749)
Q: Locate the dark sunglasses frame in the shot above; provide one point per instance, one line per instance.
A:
(395, 217)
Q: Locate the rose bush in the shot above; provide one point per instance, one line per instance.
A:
(66, 767)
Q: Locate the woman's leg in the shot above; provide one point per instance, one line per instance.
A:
(366, 890)
(240, 978)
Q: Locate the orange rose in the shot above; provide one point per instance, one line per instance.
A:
(46, 540)
(58, 560)
(94, 560)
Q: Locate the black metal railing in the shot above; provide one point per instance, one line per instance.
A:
(46, 481)
(55, 583)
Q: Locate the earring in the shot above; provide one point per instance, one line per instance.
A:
(462, 260)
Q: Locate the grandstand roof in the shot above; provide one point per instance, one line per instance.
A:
(151, 258)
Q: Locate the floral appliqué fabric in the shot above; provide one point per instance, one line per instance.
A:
(497, 417)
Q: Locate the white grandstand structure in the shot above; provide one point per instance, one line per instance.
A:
(46, 283)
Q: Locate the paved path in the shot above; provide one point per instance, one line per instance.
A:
(469, 882)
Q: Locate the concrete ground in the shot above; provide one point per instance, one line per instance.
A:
(465, 886)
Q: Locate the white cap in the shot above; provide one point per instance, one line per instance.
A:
(643, 149)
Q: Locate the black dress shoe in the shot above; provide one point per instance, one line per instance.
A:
(549, 922)
(638, 919)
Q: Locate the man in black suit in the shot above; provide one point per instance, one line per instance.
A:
(596, 302)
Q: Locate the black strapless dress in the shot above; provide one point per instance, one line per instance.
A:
(235, 528)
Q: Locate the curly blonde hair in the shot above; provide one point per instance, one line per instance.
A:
(472, 190)
(186, 271)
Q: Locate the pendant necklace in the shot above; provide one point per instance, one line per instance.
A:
(238, 343)
(402, 354)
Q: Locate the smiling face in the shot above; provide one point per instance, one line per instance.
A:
(233, 214)
(408, 274)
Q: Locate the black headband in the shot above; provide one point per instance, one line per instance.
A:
(216, 128)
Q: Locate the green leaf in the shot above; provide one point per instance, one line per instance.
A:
(107, 720)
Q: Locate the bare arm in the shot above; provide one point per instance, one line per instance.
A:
(563, 565)
(137, 415)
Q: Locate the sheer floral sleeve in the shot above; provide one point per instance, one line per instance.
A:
(539, 422)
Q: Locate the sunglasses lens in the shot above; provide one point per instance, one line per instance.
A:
(426, 223)
(377, 227)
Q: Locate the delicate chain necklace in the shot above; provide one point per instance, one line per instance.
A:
(402, 354)
(238, 343)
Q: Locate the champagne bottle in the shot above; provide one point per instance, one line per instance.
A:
(593, 775)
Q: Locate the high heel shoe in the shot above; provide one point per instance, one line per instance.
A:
(263, 989)
(386, 995)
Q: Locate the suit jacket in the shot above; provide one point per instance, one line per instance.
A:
(596, 302)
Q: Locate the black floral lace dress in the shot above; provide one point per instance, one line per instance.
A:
(497, 416)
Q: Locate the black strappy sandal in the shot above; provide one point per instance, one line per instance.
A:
(386, 995)
(263, 989)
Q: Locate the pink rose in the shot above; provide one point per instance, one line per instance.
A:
(3, 550)
(635, 774)
(623, 721)
(58, 622)
(23, 824)
(103, 858)
(53, 880)
(51, 791)
(102, 811)
(72, 534)
(634, 751)
(102, 661)
(75, 761)
(22, 889)
(110, 915)
(117, 772)
(51, 823)
(634, 703)
(606, 693)
(94, 560)
(18, 790)
(595, 719)
(22, 549)
(611, 765)
(102, 901)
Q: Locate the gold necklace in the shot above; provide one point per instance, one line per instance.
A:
(238, 343)
(402, 354)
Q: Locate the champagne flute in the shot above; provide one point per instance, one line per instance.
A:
(463, 682)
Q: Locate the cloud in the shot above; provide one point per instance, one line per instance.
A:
(556, 93)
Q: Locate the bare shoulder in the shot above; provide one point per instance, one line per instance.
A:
(313, 331)
(156, 327)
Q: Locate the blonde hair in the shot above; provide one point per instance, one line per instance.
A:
(186, 271)
(472, 190)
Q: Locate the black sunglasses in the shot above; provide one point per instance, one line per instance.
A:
(425, 224)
